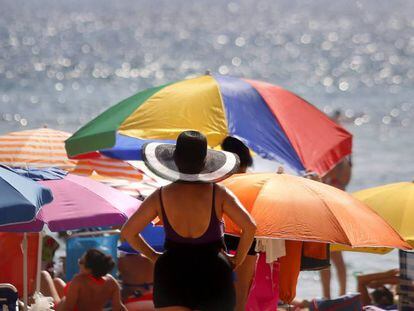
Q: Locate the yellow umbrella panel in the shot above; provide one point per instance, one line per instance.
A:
(395, 204)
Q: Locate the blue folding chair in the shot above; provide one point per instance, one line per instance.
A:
(77, 245)
(154, 235)
(8, 297)
(406, 286)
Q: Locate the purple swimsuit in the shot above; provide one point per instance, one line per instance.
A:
(213, 233)
(193, 272)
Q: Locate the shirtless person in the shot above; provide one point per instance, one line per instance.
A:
(136, 272)
(338, 177)
(90, 290)
(381, 296)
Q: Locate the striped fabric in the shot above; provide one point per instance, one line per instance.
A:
(35, 148)
(110, 168)
(45, 147)
(139, 190)
(406, 288)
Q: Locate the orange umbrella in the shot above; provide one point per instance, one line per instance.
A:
(295, 208)
(45, 147)
(35, 148)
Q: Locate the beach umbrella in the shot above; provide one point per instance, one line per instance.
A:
(21, 200)
(295, 208)
(35, 148)
(79, 202)
(140, 189)
(44, 147)
(137, 189)
(273, 122)
(395, 204)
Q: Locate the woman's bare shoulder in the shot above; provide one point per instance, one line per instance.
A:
(111, 280)
(223, 191)
(152, 199)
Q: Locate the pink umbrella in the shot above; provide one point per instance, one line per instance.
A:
(80, 202)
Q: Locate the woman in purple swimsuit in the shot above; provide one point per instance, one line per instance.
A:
(194, 273)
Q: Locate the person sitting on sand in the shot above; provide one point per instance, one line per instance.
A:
(90, 290)
(381, 296)
(136, 272)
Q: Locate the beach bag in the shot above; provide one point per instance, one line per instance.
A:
(264, 294)
(350, 302)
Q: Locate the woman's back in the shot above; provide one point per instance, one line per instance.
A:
(94, 294)
(191, 210)
(193, 273)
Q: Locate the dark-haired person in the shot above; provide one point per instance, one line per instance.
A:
(381, 296)
(235, 145)
(245, 272)
(194, 273)
(90, 290)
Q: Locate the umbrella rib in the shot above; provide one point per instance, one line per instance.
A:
(330, 211)
(255, 199)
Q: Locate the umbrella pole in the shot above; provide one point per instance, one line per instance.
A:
(25, 283)
(39, 261)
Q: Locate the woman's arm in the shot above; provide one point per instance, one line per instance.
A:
(239, 215)
(117, 304)
(380, 278)
(137, 222)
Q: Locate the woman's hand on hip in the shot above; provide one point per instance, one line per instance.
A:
(154, 257)
(233, 260)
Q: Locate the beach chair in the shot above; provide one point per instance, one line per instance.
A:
(350, 302)
(406, 282)
(8, 297)
(78, 244)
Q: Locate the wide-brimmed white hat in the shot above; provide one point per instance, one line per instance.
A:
(189, 159)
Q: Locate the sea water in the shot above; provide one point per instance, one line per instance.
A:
(64, 62)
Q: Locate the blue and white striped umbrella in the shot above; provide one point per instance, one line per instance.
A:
(20, 198)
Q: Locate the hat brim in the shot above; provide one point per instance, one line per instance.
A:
(159, 158)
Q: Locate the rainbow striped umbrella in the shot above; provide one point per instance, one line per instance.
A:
(44, 147)
(274, 123)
